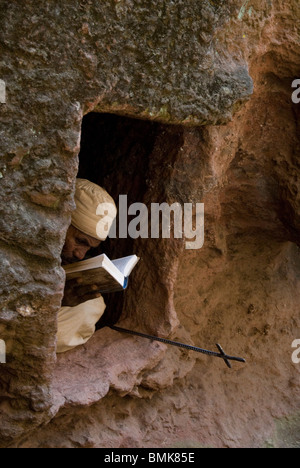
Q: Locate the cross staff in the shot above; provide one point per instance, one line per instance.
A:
(221, 354)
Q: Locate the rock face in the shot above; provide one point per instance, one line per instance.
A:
(171, 115)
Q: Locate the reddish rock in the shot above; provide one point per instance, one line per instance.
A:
(191, 65)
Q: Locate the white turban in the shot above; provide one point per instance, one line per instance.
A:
(95, 210)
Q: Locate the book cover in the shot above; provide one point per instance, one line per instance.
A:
(109, 275)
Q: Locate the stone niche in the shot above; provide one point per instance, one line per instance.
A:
(136, 158)
(159, 104)
(124, 156)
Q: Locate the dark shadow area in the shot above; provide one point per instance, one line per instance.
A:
(115, 154)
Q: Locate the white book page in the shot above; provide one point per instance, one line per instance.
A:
(89, 264)
(90, 268)
(126, 265)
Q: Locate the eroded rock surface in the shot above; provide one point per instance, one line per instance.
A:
(190, 64)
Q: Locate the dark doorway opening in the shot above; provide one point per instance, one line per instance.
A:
(115, 154)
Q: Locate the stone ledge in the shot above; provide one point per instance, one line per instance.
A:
(85, 375)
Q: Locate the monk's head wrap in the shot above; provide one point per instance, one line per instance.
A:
(95, 210)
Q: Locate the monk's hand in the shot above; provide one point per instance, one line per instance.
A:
(76, 294)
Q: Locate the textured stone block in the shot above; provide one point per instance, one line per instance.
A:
(183, 66)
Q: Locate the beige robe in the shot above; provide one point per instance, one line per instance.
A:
(76, 325)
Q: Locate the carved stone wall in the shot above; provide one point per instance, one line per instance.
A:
(186, 70)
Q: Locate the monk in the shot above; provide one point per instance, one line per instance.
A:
(82, 308)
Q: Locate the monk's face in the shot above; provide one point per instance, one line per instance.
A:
(77, 246)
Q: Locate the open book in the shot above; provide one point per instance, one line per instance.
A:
(109, 275)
